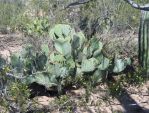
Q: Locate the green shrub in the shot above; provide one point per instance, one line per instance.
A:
(16, 99)
(14, 93)
(38, 27)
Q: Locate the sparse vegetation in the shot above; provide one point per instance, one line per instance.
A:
(64, 51)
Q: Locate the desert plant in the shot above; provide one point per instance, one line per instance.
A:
(136, 78)
(14, 93)
(16, 99)
(36, 32)
(143, 35)
(116, 89)
(38, 27)
(74, 55)
(143, 41)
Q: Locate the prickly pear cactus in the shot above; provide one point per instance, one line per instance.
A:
(144, 41)
(73, 55)
(61, 35)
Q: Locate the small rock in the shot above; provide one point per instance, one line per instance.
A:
(44, 100)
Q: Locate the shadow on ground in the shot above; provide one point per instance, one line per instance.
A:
(129, 104)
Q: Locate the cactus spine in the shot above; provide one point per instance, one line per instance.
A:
(144, 41)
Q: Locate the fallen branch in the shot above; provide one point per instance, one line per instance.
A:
(138, 6)
(79, 2)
